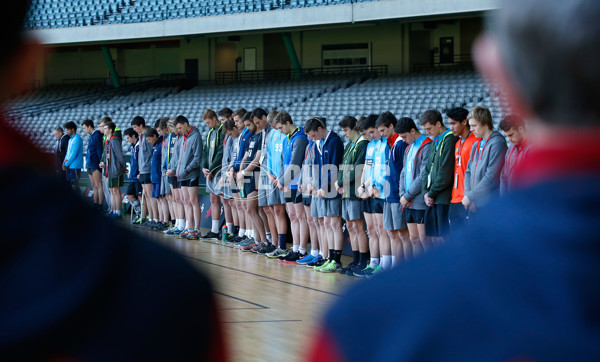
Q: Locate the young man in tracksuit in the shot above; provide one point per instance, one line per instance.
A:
(134, 190)
(411, 182)
(307, 188)
(393, 220)
(212, 160)
(73, 161)
(459, 126)
(482, 178)
(156, 140)
(439, 176)
(332, 152)
(93, 156)
(145, 164)
(513, 127)
(351, 168)
(114, 167)
(188, 174)
(238, 152)
(294, 150)
(225, 194)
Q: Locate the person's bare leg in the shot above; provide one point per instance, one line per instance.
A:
(425, 240)
(323, 241)
(264, 221)
(385, 243)
(268, 210)
(373, 238)
(195, 204)
(241, 211)
(313, 228)
(227, 211)
(413, 231)
(252, 208)
(215, 206)
(302, 225)
(189, 210)
(234, 212)
(281, 221)
(147, 209)
(291, 210)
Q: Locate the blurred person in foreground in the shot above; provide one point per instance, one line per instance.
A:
(72, 295)
(520, 283)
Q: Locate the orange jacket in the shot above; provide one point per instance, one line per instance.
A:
(462, 154)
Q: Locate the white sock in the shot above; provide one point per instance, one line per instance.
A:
(242, 233)
(386, 262)
(269, 239)
(393, 261)
(295, 248)
(155, 220)
(215, 226)
(180, 223)
(118, 212)
(188, 225)
(302, 251)
(229, 227)
(314, 252)
(374, 263)
(252, 233)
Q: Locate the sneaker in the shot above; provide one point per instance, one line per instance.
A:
(293, 257)
(355, 269)
(331, 267)
(347, 268)
(378, 269)
(246, 242)
(136, 221)
(267, 249)
(249, 247)
(257, 247)
(318, 261)
(173, 231)
(211, 235)
(169, 229)
(184, 234)
(307, 259)
(324, 264)
(230, 238)
(364, 273)
(193, 235)
(290, 254)
(277, 253)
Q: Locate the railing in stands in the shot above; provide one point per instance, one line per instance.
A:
(287, 74)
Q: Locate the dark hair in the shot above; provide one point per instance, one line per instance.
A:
(370, 121)
(313, 124)
(111, 125)
(240, 112)
(511, 121)
(225, 112)
(247, 117)
(228, 125)
(360, 124)
(458, 114)
(70, 125)
(405, 125)
(59, 129)
(150, 132)
(105, 119)
(259, 113)
(88, 123)
(138, 121)
(163, 123)
(283, 117)
(348, 122)
(157, 123)
(130, 132)
(386, 119)
(209, 114)
(181, 120)
(432, 116)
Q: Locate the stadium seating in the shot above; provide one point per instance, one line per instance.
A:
(47, 14)
(331, 97)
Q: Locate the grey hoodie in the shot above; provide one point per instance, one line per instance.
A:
(115, 161)
(482, 177)
(175, 157)
(309, 168)
(415, 195)
(145, 155)
(189, 156)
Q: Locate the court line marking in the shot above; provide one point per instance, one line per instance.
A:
(262, 276)
(260, 306)
(273, 321)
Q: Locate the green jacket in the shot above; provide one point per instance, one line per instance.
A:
(212, 157)
(439, 173)
(354, 159)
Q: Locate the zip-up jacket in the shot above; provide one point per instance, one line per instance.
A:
(174, 162)
(294, 150)
(167, 149)
(133, 169)
(190, 156)
(379, 168)
(395, 163)
(482, 179)
(227, 148)
(462, 155)
(414, 194)
(156, 169)
(115, 165)
(354, 157)
(213, 151)
(514, 157)
(94, 150)
(243, 140)
(145, 155)
(308, 167)
(439, 173)
(331, 158)
(74, 157)
(60, 151)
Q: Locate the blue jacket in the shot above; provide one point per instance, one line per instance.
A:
(156, 169)
(395, 163)
(294, 148)
(331, 158)
(134, 170)
(94, 150)
(74, 157)
(243, 139)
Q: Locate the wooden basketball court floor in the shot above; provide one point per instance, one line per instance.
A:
(270, 309)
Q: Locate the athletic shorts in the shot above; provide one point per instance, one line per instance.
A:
(315, 207)
(156, 191)
(134, 189)
(73, 174)
(173, 181)
(262, 197)
(457, 214)
(436, 220)
(306, 201)
(293, 196)
(377, 205)
(414, 216)
(145, 178)
(227, 193)
(366, 205)
(115, 181)
(195, 182)
(212, 187)
(248, 188)
(91, 170)
(165, 187)
(275, 196)
(329, 207)
(351, 209)
(393, 218)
